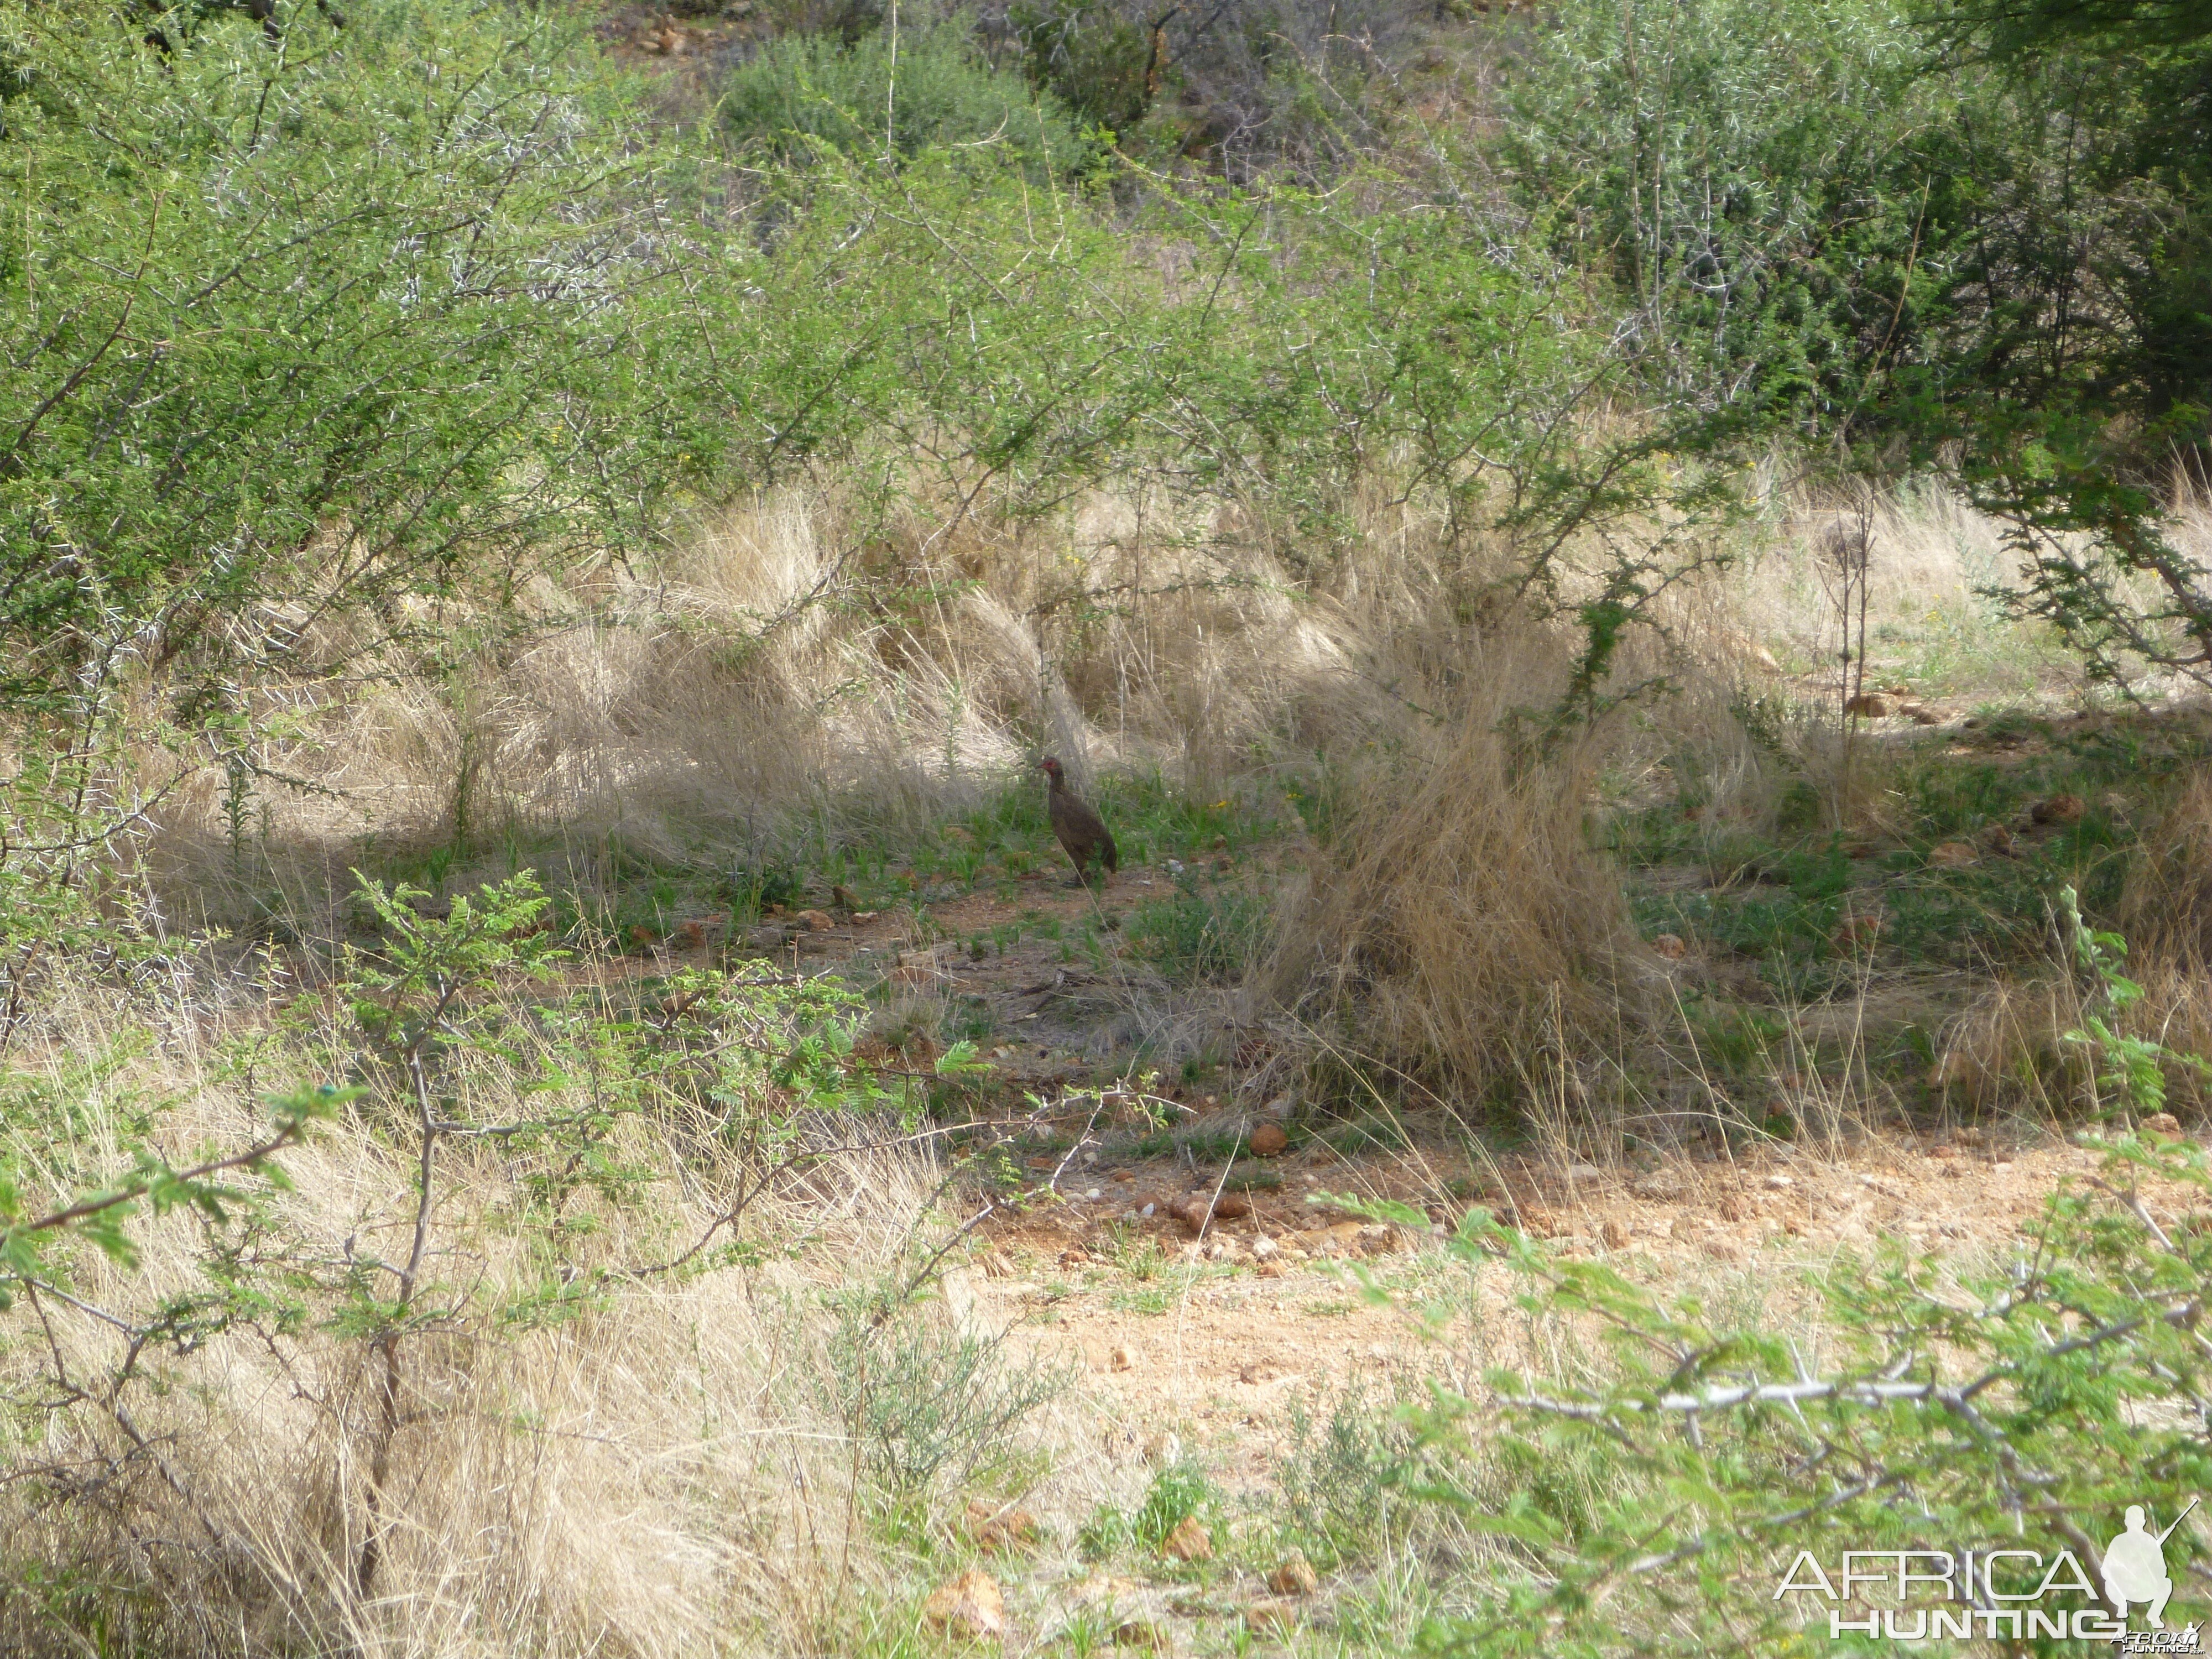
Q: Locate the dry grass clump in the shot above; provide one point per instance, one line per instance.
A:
(2007, 1052)
(2004, 1053)
(2166, 905)
(1460, 914)
(678, 1463)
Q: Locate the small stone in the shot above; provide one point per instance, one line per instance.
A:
(1670, 946)
(1263, 1248)
(814, 921)
(2058, 809)
(915, 968)
(1614, 1234)
(1780, 1184)
(1163, 1447)
(1870, 705)
(1249, 1372)
(862, 918)
(1269, 1139)
(1193, 1209)
(1295, 1576)
(996, 1529)
(1143, 1634)
(971, 1606)
(1861, 927)
(1122, 1358)
(1189, 1541)
(1953, 854)
(1148, 1210)
(1386, 1240)
(2164, 1125)
(1273, 1613)
(767, 939)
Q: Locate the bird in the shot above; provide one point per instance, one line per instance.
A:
(1081, 831)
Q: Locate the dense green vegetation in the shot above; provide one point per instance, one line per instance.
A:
(304, 321)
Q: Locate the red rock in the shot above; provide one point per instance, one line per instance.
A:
(970, 1606)
(1295, 1576)
(1189, 1541)
(996, 1529)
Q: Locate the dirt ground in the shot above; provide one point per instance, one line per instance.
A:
(1196, 1335)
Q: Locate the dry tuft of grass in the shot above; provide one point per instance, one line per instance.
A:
(2166, 906)
(1460, 915)
(664, 1463)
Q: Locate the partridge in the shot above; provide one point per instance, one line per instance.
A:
(1081, 831)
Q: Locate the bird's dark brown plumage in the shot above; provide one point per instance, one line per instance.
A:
(1081, 831)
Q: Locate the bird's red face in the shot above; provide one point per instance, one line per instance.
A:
(1049, 766)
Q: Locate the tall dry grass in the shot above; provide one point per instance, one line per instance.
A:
(679, 1464)
(809, 658)
(1458, 916)
(794, 661)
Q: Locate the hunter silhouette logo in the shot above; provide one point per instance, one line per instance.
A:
(2009, 1592)
(2135, 1566)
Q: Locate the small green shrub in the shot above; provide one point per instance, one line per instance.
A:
(809, 91)
(1090, 57)
(1178, 1492)
(1651, 1488)
(1343, 1477)
(925, 1402)
(1200, 937)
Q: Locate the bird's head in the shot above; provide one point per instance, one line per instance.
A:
(1051, 767)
